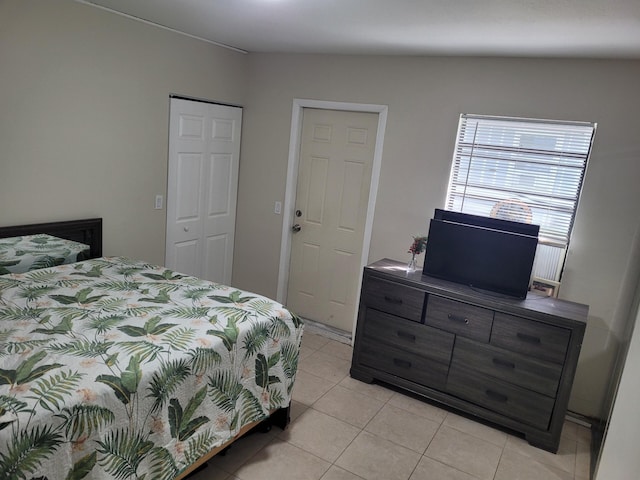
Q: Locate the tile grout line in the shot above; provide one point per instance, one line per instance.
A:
(504, 447)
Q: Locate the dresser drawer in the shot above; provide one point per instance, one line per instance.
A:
(408, 336)
(459, 318)
(537, 375)
(501, 397)
(403, 364)
(393, 298)
(530, 337)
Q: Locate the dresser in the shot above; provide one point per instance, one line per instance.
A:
(505, 360)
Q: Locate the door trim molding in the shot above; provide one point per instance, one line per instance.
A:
(299, 104)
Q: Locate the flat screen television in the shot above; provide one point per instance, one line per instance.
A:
(483, 253)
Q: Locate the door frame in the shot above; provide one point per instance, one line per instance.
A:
(299, 104)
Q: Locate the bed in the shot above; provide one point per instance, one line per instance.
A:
(112, 368)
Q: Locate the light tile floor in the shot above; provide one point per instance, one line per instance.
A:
(343, 429)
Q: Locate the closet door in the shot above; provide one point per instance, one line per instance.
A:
(204, 149)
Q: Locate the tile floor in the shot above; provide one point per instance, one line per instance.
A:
(343, 429)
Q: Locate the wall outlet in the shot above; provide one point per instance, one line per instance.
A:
(159, 202)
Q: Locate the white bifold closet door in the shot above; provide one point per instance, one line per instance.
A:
(204, 150)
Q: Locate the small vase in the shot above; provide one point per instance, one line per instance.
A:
(411, 266)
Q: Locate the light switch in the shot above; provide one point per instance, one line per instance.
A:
(159, 202)
(278, 208)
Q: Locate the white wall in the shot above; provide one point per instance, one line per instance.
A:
(618, 453)
(619, 457)
(425, 97)
(84, 116)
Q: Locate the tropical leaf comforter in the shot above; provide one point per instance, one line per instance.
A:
(117, 369)
(31, 252)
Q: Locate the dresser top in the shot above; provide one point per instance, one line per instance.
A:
(539, 306)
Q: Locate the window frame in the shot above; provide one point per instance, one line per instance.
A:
(504, 163)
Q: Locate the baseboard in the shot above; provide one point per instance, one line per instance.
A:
(574, 417)
(327, 331)
(597, 427)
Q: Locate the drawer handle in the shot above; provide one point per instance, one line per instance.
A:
(528, 338)
(401, 363)
(498, 397)
(503, 363)
(458, 318)
(406, 336)
(394, 300)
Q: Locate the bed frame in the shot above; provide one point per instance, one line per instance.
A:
(280, 418)
(88, 231)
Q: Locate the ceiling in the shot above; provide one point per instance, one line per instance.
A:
(548, 28)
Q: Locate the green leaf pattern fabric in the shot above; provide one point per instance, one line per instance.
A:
(117, 369)
(32, 252)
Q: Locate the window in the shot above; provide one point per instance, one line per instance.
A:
(522, 170)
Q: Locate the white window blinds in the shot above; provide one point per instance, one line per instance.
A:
(523, 170)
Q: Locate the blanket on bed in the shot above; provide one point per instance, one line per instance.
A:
(31, 252)
(117, 369)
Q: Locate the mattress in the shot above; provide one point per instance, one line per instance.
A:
(115, 368)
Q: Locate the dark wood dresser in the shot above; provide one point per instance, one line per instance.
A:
(505, 360)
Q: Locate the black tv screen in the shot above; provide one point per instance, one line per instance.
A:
(494, 259)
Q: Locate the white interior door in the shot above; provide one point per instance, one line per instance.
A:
(334, 178)
(204, 153)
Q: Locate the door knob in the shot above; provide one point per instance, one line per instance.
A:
(296, 227)
(186, 229)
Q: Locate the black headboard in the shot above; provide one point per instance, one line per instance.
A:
(88, 231)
